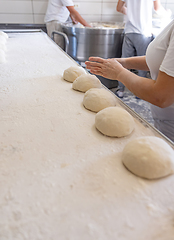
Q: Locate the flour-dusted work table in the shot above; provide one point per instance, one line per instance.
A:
(61, 179)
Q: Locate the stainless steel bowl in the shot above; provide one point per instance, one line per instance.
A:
(102, 40)
(105, 42)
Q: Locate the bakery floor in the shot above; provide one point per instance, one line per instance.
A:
(138, 105)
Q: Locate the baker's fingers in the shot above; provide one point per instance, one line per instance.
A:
(96, 72)
(94, 69)
(93, 64)
(96, 59)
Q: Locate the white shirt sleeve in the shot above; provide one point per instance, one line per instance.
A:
(67, 2)
(167, 64)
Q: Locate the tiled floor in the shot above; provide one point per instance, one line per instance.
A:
(138, 105)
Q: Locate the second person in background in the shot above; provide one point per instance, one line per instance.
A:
(61, 11)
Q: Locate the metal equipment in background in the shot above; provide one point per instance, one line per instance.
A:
(101, 40)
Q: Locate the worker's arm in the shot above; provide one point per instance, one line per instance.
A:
(121, 7)
(157, 5)
(138, 62)
(76, 17)
(160, 11)
(159, 92)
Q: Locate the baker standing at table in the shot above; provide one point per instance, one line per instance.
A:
(138, 29)
(159, 90)
(61, 11)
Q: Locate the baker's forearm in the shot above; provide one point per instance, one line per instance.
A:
(144, 88)
(138, 63)
(76, 16)
(121, 7)
(158, 6)
(79, 18)
(158, 92)
(123, 10)
(115, 70)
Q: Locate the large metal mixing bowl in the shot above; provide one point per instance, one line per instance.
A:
(101, 40)
(104, 41)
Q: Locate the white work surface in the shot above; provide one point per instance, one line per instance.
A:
(61, 179)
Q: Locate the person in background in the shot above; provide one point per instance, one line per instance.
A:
(138, 29)
(61, 11)
(159, 90)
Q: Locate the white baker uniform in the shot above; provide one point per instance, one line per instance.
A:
(139, 17)
(56, 14)
(138, 30)
(160, 56)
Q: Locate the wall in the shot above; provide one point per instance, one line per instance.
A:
(33, 11)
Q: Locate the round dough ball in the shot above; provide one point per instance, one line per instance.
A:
(3, 34)
(149, 157)
(71, 73)
(114, 122)
(86, 81)
(96, 99)
(2, 56)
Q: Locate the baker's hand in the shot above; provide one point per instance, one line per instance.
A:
(75, 17)
(108, 68)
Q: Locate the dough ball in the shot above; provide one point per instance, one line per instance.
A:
(149, 157)
(3, 34)
(114, 122)
(96, 99)
(71, 73)
(86, 81)
(2, 56)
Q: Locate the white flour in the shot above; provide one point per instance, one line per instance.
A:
(59, 177)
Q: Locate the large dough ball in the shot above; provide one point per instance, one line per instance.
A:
(86, 81)
(149, 157)
(71, 73)
(96, 99)
(114, 122)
